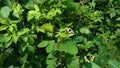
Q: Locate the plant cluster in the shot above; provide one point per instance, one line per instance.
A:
(60, 33)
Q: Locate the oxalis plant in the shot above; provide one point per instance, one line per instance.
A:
(59, 34)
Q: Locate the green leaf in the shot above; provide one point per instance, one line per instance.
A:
(78, 39)
(31, 15)
(31, 40)
(50, 46)
(118, 19)
(23, 31)
(1, 45)
(23, 48)
(15, 38)
(34, 14)
(8, 3)
(31, 49)
(89, 44)
(7, 44)
(3, 28)
(112, 14)
(69, 47)
(117, 32)
(5, 11)
(94, 65)
(91, 65)
(11, 66)
(113, 64)
(85, 30)
(65, 35)
(74, 63)
(47, 27)
(17, 12)
(53, 13)
(43, 44)
(51, 64)
(2, 38)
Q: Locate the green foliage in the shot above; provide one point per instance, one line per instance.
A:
(59, 34)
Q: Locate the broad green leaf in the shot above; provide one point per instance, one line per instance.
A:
(94, 65)
(5, 11)
(8, 3)
(91, 65)
(73, 63)
(85, 30)
(11, 66)
(78, 39)
(28, 4)
(2, 38)
(50, 46)
(118, 19)
(31, 40)
(89, 44)
(23, 31)
(3, 28)
(43, 44)
(31, 49)
(69, 47)
(47, 27)
(51, 64)
(112, 14)
(113, 64)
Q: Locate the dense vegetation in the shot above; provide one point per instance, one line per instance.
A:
(60, 33)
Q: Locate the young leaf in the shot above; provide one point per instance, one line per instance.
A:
(50, 46)
(31, 15)
(5, 11)
(15, 38)
(47, 27)
(85, 30)
(23, 31)
(43, 44)
(69, 47)
(17, 10)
